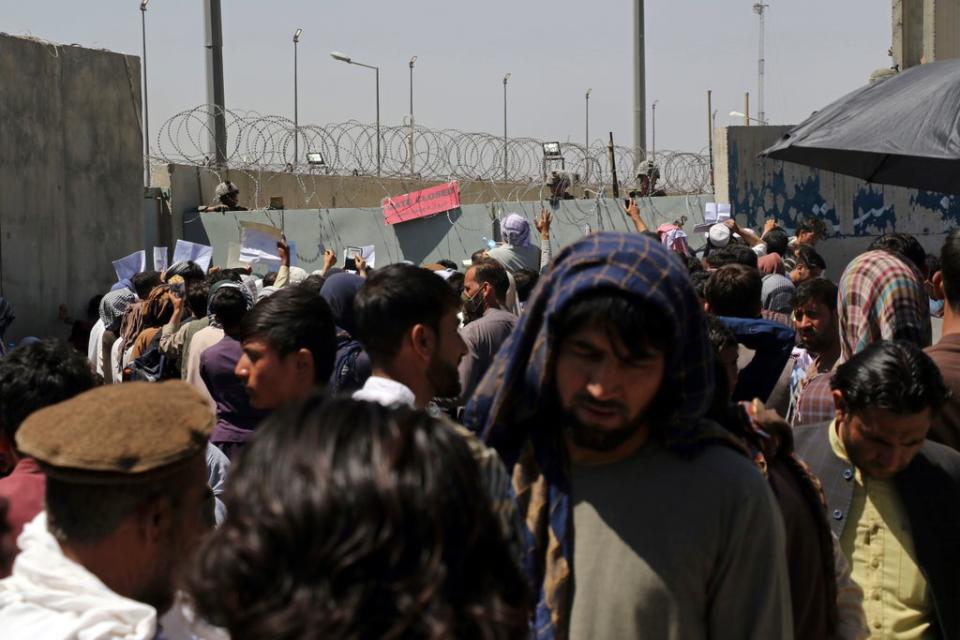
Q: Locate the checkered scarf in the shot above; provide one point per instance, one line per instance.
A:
(881, 298)
(510, 403)
(112, 307)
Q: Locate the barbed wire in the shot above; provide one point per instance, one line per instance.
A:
(266, 142)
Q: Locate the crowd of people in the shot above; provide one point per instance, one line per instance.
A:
(624, 438)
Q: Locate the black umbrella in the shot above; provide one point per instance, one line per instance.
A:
(904, 130)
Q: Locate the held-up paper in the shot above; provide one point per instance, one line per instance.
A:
(712, 214)
(199, 253)
(258, 242)
(131, 265)
(368, 253)
(160, 259)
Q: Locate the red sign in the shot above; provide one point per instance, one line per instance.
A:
(419, 204)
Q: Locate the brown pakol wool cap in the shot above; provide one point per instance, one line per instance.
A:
(119, 433)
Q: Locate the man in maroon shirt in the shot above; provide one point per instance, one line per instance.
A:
(32, 377)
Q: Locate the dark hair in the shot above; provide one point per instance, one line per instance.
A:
(694, 265)
(904, 245)
(186, 269)
(228, 306)
(808, 256)
(818, 290)
(734, 290)
(269, 278)
(313, 283)
(38, 375)
(197, 293)
(640, 327)
(525, 280)
(699, 280)
(478, 255)
(812, 225)
(449, 264)
(395, 299)
(455, 282)
(88, 513)
(491, 271)
(777, 241)
(144, 282)
(720, 335)
(293, 318)
(732, 254)
(891, 375)
(950, 268)
(347, 519)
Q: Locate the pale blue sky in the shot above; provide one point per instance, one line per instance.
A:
(817, 50)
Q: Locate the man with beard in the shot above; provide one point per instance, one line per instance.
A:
(892, 494)
(818, 332)
(642, 518)
(487, 323)
(406, 319)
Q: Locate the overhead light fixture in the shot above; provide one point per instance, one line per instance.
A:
(296, 36)
(551, 150)
(338, 55)
(315, 158)
(143, 5)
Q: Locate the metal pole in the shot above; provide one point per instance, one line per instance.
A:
(653, 144)
(759, 9)
(505, 78)
(296, 102)
(586, 137)
(146, 104)
(377, 70)
(217, 123)
(710, 131)
(639, 85)
(412, 170)
(746, 109)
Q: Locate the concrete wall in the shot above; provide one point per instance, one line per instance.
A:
(855, 211)
(71, 177)
(455, 236)
(925, 30)
(191, 186)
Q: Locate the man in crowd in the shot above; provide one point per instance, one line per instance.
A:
(126, 503)
(517, 251)
(807, 265)
(818, 331)
(488, 324)
(880, 297)
(236, 419)
(289, 343)
(647, 175)
(643, 519)
(810, 231)
(733, 294)
(406, 319)
(946, 353)
(892, 495)
(32, 377)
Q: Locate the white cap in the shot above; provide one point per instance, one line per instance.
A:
(719, 235)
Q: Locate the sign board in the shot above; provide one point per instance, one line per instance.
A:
(423, 203)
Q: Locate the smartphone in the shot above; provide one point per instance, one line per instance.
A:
(626, 202)
(351, 253)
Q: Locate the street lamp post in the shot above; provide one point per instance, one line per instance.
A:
(146, 108)
(413, 60)
(505, 79)
(296, 102)
(740, 114)
(342, 57)
(586, 137)
(653, 126)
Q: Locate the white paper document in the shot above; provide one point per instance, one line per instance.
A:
(160, 259)
(199, 253)
(131, 265)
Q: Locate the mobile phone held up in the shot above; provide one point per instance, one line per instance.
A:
(350, 258)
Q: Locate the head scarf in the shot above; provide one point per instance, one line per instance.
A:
(881, 298)
(121, 285)
(504, 409)
(674, 238)
(770, 263)
(297, 275)
(250, 284)
(515, 230)
(112, 307)
(339, 291)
